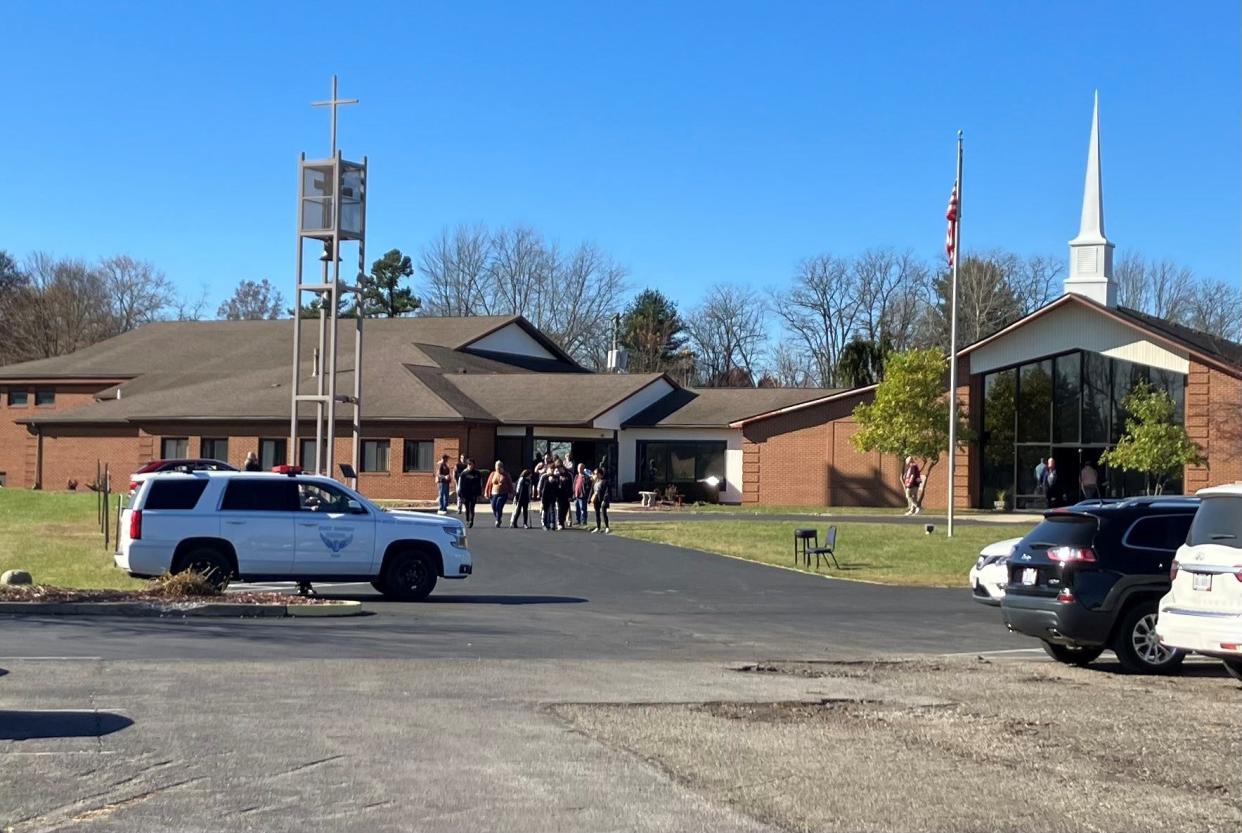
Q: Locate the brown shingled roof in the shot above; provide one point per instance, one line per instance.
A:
(717, 407)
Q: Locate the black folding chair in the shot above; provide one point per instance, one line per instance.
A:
(827, 551)
(805, 542)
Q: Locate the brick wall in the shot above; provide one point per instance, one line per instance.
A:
(1213, 409)
(71, 452)
(17, 445)
(806, 458)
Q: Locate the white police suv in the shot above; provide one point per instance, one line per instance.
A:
(285, 526)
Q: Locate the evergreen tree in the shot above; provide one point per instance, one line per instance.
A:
(652, 331)
(383, 296)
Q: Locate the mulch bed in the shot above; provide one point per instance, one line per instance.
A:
(41, 593)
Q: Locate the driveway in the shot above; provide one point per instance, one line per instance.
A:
(568, 595)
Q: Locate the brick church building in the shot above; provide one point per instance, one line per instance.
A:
(496, 388)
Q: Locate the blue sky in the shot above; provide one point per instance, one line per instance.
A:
(695, 142)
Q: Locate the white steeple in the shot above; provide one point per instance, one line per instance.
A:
(1091, 255)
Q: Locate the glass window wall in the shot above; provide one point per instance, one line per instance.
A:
(1068, 408)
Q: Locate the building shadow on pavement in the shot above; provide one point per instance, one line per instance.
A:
(32, 725)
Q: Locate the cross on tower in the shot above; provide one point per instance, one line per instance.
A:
(334, 102)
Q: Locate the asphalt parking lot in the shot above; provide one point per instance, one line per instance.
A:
(584, 682)
(569, 594)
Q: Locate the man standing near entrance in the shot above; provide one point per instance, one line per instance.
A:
(910, 480)
(443, 473)
(1089, 482)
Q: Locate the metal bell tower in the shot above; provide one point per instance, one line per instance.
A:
(332, 210)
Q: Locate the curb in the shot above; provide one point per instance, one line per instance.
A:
(340, 608)
(234, 610)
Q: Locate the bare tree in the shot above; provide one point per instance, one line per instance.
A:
(66, 306)
(822, 311)
(191, 309)
(516, 271)
(787, 367)
(455, 268)
(1216, 308)
(138, 292)
(727, 335)
(1160, 288)
(252, 301)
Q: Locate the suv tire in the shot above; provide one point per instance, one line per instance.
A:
(411, 576)
(1234, 667)
(1071, 655)
(209, 563)
(1136, 646)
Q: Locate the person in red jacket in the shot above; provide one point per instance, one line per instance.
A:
(582, 493)
(911, 478)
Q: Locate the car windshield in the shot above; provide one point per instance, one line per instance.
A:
(1062, 530)
(1218, 521)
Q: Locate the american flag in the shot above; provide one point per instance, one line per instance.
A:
(950, 237)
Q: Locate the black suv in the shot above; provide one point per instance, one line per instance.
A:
(1089, 576)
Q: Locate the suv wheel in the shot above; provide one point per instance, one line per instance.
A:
(1234, 667)
(1072, 655)
(209, 563)
(411, 577)
(1136, 645)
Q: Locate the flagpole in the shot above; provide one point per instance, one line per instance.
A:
(957, 257)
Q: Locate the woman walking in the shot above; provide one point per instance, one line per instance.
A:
(498, 489)
(521, 499)
(600, 500)
(469, 487)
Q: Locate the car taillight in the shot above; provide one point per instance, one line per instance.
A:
(1071, 554)
(1238, 574)
(135, 525)
(1066, 596)
(1173, 568)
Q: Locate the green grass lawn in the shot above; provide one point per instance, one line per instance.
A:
(747, 509)
(887, 553)
(55, 537)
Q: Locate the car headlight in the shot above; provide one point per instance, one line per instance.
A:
(458, 533)
(980, 562)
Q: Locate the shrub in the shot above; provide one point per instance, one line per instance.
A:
(183, 585)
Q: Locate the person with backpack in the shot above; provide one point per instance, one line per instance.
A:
(911, 479)
(522, 491)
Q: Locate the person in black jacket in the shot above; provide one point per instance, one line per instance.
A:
(564, 496)
(469, 487)
(522, 491)
(549, 489)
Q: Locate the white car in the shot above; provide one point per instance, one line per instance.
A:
(1203, 610)
(285, 526)
(991, 572)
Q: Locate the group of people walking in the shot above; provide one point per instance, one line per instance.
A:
(558, 485)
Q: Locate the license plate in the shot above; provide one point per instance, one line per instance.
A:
(1201, 581)
(1030, 575)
